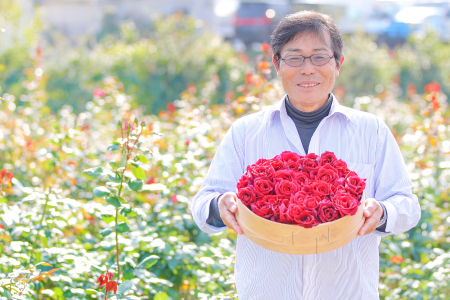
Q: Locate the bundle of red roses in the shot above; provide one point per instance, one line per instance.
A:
(303, 190)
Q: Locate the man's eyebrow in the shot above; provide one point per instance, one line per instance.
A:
(300, 50)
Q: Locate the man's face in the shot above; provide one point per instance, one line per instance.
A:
(308, 86)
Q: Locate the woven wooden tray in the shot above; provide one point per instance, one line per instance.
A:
(294, 239)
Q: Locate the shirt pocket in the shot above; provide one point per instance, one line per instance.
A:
(364, 171)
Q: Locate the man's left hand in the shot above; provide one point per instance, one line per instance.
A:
(373, 213)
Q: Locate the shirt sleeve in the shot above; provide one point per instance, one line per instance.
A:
(392, 184)
(226, 168)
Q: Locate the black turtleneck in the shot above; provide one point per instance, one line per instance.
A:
(307, 122)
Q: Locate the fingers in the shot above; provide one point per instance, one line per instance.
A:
(227, 209)
(373, 213)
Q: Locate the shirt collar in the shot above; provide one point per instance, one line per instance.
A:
(336, 108)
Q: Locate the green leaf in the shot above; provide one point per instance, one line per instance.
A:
(121, 200)
(90, 292)
(138, 172)
(148, 262)
(142, 158)
(122, 227)
(128, 212)
(107, 231)
(161, 296)
(113, 201)
(135, 185)
(101, 191)
(128, 274)
(6, 294)
(124, 287)
(92, 173)
(115, 178)
(114, 146)
(108, 218)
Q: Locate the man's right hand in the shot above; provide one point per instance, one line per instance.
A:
(227, 209)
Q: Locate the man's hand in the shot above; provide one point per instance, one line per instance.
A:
(227, 209)
(373, 213)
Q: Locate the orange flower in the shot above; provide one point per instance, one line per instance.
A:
(396, 259)
(432, 87)
(111, 286)
(265, 47)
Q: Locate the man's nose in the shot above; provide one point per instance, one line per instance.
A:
(307, 67)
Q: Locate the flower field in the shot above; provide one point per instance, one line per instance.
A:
(94, 201)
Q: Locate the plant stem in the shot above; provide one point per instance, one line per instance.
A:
(45, 206)
(117, 246)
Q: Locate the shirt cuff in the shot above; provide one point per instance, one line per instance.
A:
(391, 216)
(382, 228)
(214, 218)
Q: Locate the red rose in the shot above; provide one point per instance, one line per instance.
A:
(302, 178)
(284, 214)
(247, 195)
(263, 186)
(346, 203)
(327, 173)
(305, 218)
(244, 181)
(283, 175)
(261, 170)
(290, 159)
(340, 165)
(286, 188)
(354, 184)
(326, 212)
(308, 164)
(311, 202)
(298, 198)
(262, 209)
(320, 188)
(327, 158)
(276, 164)
(312, 156)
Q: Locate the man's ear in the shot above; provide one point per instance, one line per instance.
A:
(274, 61)
(341, 61)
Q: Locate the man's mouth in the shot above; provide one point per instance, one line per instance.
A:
(309, 84)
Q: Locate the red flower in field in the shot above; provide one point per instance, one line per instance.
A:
(171, 107)
(6, 176)
(188, 142)
(102, 280)
(265, 47)
(248, 77)
(174, 199)
(432, 87)
(396, 259)
(151, 180)
(111, 286)
(99, 93)
(127, 124)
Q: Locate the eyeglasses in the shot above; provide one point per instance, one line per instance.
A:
(298, 60)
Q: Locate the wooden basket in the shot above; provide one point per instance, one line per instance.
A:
(294, 239)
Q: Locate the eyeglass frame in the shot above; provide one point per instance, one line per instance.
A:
(305, 57)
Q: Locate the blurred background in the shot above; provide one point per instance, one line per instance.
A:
(149, 43)
(73, 72)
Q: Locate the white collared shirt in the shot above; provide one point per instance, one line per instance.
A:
(350, 272)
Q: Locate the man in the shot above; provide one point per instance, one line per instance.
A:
(308, 56)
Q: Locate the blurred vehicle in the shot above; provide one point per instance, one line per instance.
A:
(422, 17)
(255, 20)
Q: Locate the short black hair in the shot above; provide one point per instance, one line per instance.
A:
(306, 21)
